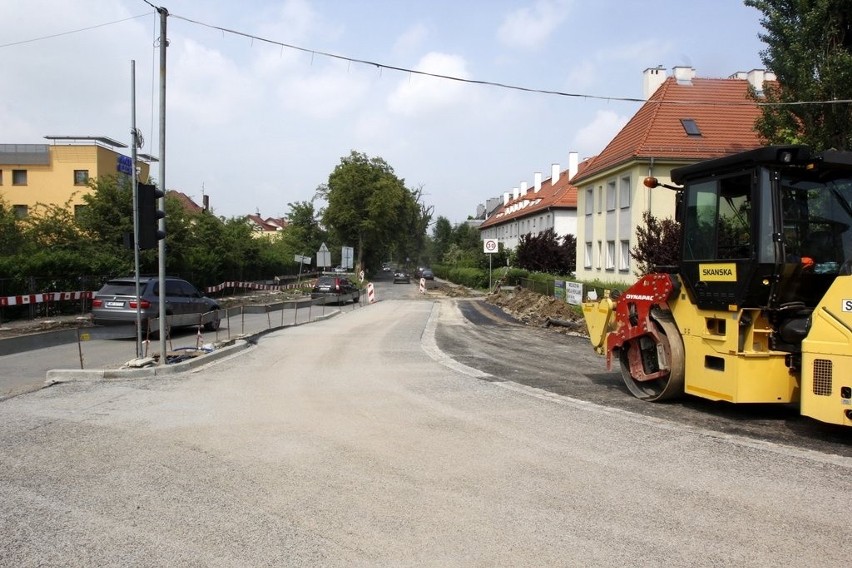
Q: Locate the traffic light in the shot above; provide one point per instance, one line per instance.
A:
(149, 216)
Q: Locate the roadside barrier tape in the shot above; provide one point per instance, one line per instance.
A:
(27, 299)
(255, 286)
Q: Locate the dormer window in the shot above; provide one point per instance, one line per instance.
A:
(690, 127)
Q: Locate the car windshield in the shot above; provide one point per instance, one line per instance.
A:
(118, 289)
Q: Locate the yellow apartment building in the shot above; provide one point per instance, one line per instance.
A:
(59, 172)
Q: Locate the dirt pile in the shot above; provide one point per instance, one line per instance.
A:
(538, 310)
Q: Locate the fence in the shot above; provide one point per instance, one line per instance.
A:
(235, 322)
(34, 297)
(537, 286)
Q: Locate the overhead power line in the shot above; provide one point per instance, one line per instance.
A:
(60, 34)
(380, 65)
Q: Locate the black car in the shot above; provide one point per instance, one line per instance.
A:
(427, 274)
(400, 277)
(116, 303)
(336, 289)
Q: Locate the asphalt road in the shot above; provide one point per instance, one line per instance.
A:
(358, 441)
(108, 348)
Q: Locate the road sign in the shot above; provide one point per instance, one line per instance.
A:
(323, 257)
(489, 246)
(347, 255)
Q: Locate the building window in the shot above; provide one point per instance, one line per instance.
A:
(587, 259)
(610, 196)
(600, 255)
(624, 256)
(590, 201)
(690, 127)
(19, 177)
(624, 193)
(600, 199)
(21, 211)
(81, 177)
(610, 255)
(78, 210)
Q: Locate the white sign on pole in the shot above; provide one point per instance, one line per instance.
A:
(347, 257)
(323, 257)
(489, 246)
(574, 293)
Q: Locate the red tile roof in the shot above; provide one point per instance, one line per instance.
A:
(561, 195)
(720, 108)
(270, 224)
(186, 201)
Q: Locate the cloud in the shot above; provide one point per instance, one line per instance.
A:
(531, 27)
(593, 138)
(324, 94)
(419, 93)
(207, 86)
(411, 39)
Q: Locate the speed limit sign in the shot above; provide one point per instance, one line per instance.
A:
(490, 246)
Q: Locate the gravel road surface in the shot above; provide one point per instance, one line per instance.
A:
(357, 442)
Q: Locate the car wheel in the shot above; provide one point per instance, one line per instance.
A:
(213, 324)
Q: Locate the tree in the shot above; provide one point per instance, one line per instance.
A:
(11, 231)
(441, 234)
(657, 244)
(369, 207)
(545, 253)
(809, 48)
(303, 234)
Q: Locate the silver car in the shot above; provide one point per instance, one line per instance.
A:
(115, 303)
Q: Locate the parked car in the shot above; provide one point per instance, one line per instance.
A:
(336, 288)
(116, 301)
(427, 274)
(400, 277)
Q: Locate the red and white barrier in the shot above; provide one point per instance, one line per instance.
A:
(253, 286)
(28, 299)
(371, 293)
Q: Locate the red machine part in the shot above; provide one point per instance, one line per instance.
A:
(633, 316)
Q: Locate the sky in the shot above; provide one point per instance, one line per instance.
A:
(256, 125)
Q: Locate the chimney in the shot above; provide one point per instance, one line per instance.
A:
(537, 182)
(524, 188)
(206, 200)
(684, 75)
(515, 192)
(652, 78)
(757, 77)
(573, 164)
(554, 174)
(505, 198)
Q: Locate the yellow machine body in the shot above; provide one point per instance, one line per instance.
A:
(759, 307)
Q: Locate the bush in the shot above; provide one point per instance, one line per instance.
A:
(470, 277)
(599, 286)
(513, 276)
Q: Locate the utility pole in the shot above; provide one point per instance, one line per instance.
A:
(161, 250)
(135, 143)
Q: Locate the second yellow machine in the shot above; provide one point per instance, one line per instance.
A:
(759, 309)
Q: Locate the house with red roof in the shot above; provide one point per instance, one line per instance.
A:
(685, 119)
(548, 204)
(270, 228)
(186, 201)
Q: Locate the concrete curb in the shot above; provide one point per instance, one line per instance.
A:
(57, 376)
